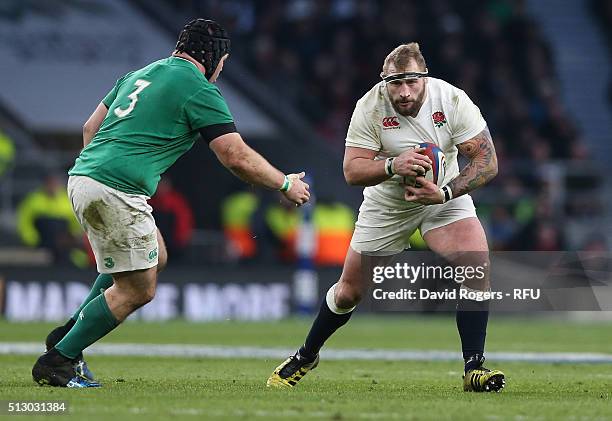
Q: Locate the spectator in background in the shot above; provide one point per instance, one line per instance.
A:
(595, 242)
(266, 226)
(45, 219)
(501, 228)
(595, 256)
(493, 47)
(547, 237)
(174, 217)
(321, 53)
(237, 212)
(542, 233)
(7, 153)
(282, 220)
(333, 223)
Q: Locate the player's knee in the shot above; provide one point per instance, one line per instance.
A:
(480, 278)
(348, 300)
(148, 295)
(348, 297)
(141, 297)
(139, 294)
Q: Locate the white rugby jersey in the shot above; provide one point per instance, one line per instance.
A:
(447, 118)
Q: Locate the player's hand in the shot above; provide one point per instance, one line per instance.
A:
(298, 193)
(412, 163)
(428, 194)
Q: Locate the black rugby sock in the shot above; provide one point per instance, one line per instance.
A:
(326, 323)
(58, 333)
(69, 324)
(472, 319)
(53, 357)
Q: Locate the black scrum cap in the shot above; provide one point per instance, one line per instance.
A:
(206, 41)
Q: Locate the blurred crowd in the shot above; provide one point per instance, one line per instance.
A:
(323, 55)
(602, 12)
(257, 226)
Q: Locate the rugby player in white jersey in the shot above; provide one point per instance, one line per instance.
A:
(405, 109)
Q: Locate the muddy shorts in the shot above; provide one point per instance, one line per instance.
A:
(386, 231)
(120, 226)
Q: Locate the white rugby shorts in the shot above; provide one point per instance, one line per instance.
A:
(386, 231)
(120, 226)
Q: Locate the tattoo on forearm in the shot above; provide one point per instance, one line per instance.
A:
(482, 166)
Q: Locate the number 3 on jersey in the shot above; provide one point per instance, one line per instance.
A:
(140, 85)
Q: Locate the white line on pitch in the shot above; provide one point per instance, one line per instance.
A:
(211, 351)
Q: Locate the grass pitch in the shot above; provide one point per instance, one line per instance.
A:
(197, 388)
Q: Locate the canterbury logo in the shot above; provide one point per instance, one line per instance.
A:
(390, 122)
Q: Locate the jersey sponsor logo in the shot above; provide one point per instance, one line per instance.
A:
(390, 123)
(439, 119)
(109, 262)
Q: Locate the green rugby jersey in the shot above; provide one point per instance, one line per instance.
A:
(154, 116)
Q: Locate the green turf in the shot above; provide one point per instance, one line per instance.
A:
(160, 388)
(399, 332)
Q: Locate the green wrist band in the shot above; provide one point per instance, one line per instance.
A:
(286, 184)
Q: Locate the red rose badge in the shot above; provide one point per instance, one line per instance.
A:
(438, 118)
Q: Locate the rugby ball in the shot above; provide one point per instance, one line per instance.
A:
(438, 167)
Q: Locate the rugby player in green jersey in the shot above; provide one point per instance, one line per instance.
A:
(144, 124)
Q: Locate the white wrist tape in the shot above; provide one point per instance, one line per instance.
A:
(447, 193)
(389, 167)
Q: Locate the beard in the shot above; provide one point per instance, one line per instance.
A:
(409, 107)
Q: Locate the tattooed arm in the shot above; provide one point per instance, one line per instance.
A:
(479, 171)
(482, 166)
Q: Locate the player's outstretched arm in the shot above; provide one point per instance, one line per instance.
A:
(93, 123)
(253, 168)
(482, 165)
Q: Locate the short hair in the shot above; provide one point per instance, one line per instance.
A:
(402, 55)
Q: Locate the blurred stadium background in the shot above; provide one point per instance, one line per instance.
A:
(540, 72)
(538, 69)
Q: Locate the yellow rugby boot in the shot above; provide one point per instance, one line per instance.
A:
(291, 371)
(481, 379)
